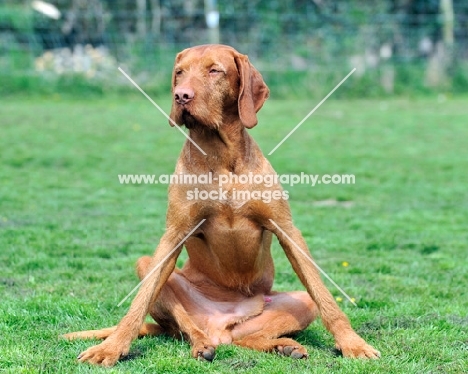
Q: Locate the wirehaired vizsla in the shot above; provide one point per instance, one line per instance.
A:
(223, 294)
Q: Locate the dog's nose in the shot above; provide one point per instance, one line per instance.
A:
(183, 95)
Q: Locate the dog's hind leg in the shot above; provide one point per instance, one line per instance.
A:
(284, 314)
(170, 310)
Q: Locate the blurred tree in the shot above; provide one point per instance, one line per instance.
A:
(156, 17)
(141, 18)
(84, 23)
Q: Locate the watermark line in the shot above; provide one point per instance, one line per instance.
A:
(162, 111)
(314, 263)
(311, 112)
(250, 179)
(161, 263)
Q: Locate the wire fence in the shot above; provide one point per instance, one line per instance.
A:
(390, 45)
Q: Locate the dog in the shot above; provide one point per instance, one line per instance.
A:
(223, 294)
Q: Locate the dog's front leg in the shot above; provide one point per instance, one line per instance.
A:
(118, 343)
(295, 247)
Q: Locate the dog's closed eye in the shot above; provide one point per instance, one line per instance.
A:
(200, 235)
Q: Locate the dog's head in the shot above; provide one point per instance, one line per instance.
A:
(215, 84)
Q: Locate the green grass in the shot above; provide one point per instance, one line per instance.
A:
(70, 233)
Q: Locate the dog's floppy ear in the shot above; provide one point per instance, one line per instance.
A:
(252, 91)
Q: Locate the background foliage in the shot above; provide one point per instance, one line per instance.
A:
(301, 47)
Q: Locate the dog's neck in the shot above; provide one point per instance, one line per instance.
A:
(228, 149)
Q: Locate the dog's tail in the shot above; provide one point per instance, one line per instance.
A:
(147, 329)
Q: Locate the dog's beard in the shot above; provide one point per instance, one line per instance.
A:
(193, 122)
(189, 120)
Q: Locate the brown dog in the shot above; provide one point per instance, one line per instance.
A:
(223, 294)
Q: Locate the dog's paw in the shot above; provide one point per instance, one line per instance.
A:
(297, 351)
(356, 347)
(203, 352)
(105, 354)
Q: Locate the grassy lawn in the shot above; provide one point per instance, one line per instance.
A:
(70, 233)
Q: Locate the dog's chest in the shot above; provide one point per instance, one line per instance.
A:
(222, 195)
